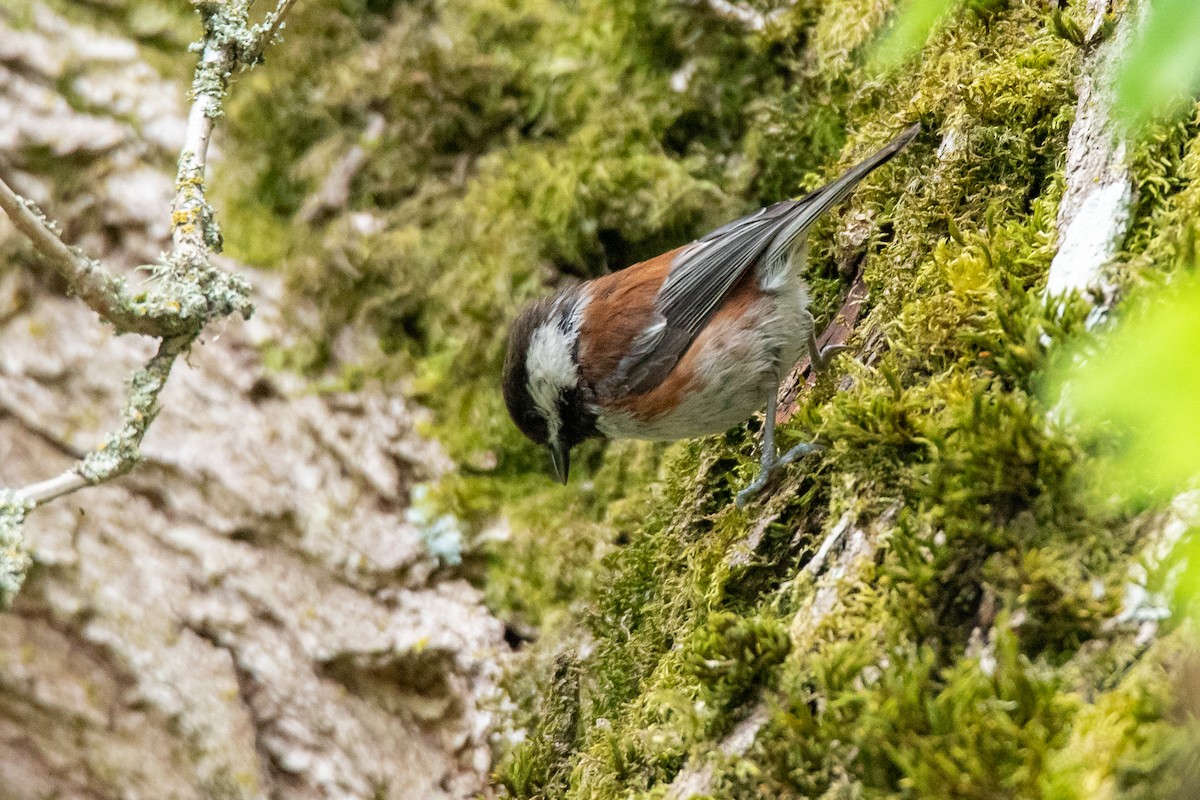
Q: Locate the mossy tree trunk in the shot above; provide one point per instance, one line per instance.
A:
(935, 606)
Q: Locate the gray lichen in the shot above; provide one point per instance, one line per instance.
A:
(228, 37)
(14, 560)
(193, 213)
(194, 290)
(189, 290)
(120, 451)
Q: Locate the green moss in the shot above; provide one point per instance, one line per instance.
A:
(537, 766)
(731, 654)
(971, 731)
(531, 143)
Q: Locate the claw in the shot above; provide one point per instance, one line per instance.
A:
(751, 491)
(799, 451)
(820, 357)
(824, 357)
(770, 470)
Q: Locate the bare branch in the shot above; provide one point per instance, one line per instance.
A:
(37, 494)
(103, 292)
(190, 290)
(267, 31)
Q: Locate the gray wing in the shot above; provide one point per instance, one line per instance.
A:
(699, 280)
(703, 274)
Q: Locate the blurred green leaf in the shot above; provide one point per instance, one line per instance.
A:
(1163, 66)
(1145, 382)
(915, 20)
(1160, 72)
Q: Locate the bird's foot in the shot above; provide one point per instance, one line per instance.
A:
(824, 357)
(771, 468)
(820, 357)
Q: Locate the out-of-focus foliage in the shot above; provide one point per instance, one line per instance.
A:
(1138, 390)
(1162, 70)
(914, 21)
(1143, 385)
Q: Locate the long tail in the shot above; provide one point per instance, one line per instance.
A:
(817, 202)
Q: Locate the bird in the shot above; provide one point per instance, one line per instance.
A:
(689, 343)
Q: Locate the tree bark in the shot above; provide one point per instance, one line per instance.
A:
(249, 614)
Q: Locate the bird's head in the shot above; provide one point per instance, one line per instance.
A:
(543, 389)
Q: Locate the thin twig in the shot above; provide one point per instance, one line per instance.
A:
(191, 216)
(103, 292)
(272, 23)
(191, 290)
(37, 494)
(120, 451)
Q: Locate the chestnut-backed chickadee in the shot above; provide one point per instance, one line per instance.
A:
(686, 344)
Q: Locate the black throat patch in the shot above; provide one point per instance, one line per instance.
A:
(575, 409)
(515, 380)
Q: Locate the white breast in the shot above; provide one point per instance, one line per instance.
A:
(740, 364)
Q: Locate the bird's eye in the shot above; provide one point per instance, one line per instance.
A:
(534, 426)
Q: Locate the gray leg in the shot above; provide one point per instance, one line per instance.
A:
(771, 461)
(821, 357)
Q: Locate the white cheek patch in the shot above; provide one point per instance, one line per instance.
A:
(551, 366)
(551, 370)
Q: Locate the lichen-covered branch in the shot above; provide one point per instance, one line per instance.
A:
(189, 290)
(120, 451)
(266, 31)
(104, 292)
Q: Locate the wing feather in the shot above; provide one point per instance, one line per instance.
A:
(703, 275)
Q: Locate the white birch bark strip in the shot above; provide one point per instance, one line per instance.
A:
(1093, 217)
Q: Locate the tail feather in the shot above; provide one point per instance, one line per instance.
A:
(816, 203)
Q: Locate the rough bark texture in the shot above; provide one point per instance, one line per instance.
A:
(934, 606)
(249, 614)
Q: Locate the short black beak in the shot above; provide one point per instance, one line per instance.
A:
(561, 458)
